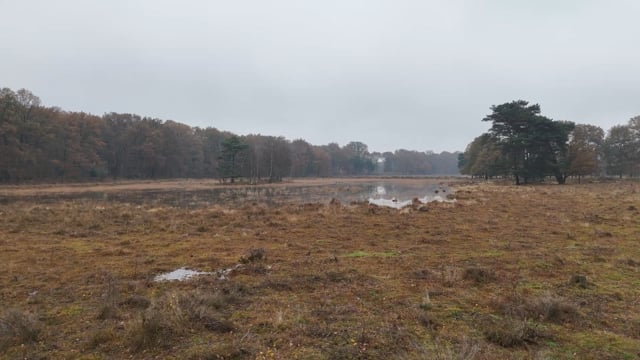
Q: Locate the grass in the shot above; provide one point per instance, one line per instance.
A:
(504, 272)
(509, 332)
(360, 253)
(18, 328)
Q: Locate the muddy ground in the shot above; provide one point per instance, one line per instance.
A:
(529, 272)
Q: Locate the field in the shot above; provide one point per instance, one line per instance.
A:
(503, 272)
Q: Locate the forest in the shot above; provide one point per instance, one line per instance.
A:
(526, 146)
(48, 144)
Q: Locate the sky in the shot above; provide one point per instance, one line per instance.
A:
(417, 75)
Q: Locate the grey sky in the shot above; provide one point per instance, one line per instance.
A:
(393, 74)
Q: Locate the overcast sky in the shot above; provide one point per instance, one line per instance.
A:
(393, 74)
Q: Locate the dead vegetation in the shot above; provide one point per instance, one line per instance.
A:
(504, 272)
(18, 328)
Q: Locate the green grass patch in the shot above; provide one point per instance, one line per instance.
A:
(602, 344)
(492, 253)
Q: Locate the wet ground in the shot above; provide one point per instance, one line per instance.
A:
(382, 191)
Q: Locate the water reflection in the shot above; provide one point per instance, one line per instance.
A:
(342, 190)
(180, 274)
(398, 196)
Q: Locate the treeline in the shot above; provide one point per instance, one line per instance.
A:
(528, 146)
(42, 144)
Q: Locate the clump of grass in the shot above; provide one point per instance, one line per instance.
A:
(18, 327)
(546, 308)
(160, 325)
(579, 280)
(220, 351)
(428, 321)
(136, 301)
(479, 275)
(630, 262)
(101, 337)
(424, 274)
(256, 254)
(109, 308)
(462, 349)
(172, 315)
(450, 276)
(207, 311)
(510, 332)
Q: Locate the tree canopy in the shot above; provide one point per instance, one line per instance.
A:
(525, 145)
(533, 146)
(45, 144)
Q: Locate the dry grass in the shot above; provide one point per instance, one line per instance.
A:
(18, 328)
(504, 272)
(509, 332)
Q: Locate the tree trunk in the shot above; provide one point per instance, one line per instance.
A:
(561, 178)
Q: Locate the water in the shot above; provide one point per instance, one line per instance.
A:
(180, 274)
(323, 191)
(183, 274)
(398, 196)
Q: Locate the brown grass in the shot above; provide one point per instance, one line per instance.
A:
(504, 272)
(18, 328)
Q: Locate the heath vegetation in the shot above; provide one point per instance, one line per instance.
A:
(522, 272)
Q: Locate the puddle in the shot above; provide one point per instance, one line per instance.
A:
(392, 203)
(397, 197)
(183, 274)
(180, 274)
